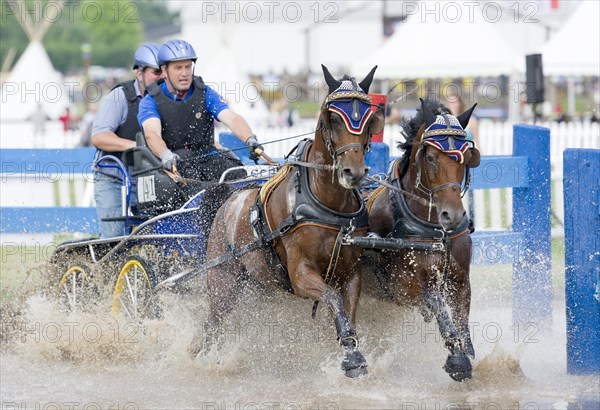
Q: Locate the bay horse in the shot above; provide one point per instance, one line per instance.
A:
(432, 174)
(297, 220)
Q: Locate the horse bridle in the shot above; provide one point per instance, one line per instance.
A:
(419, 159)
(354, 96)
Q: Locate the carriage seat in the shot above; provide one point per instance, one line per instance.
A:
(156, 191)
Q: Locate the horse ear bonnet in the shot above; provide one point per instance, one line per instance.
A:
(463, 118)
(332, 83)
(427, 114)
(366, 82)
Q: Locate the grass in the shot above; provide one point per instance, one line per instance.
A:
(307, 108)
(27, 265)
(21, 267)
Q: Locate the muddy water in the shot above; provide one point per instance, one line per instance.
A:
(276, 357)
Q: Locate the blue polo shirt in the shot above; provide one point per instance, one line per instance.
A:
(214, 103)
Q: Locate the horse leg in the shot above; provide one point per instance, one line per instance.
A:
(353, 363)
(459, 300)
(458, 365)
(223, 288)
(311, 285)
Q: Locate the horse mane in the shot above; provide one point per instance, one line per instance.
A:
(410, 129)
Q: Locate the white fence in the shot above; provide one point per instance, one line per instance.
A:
(493, 208)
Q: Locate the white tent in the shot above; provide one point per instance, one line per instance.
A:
(236, 88)
(224, 75)
(575, 49)
(430, 47)
(33, 81)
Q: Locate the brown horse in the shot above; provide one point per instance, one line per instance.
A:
(299, 218)
(432, 173)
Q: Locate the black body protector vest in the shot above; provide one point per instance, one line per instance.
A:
(131, 126)
(126, 130)
(185, 124)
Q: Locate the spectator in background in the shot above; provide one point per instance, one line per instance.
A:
(66, 120)
(392, 115)
(85, 126)
(38, 118)
(455, 102)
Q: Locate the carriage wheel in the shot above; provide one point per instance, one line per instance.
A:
(133, 295)
(75, 285)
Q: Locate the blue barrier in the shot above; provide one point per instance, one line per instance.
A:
(532, 270)
(50, 165)
(582, 259)
(229, 140)
(49, 220)
(70, 161)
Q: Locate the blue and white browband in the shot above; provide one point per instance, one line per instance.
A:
(352, 104)
(447, 135)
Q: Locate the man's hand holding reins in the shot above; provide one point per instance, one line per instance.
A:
(255, 148)
(168, 159)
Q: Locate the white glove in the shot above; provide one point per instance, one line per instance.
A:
(168, 159)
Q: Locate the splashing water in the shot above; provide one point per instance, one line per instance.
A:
(276, 356)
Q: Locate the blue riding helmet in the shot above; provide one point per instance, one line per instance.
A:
(146, 56)
(176, 50)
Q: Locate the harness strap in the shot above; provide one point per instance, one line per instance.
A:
(355, 146)
(332, 264)
(314, 165)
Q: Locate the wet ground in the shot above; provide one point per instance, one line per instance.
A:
(277, 357)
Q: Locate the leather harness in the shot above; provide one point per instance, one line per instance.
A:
(308, 211)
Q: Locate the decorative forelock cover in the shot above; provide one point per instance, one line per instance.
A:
(447, 135)
(354, 106)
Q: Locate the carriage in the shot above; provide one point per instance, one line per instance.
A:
(167, 236)
(303, 227)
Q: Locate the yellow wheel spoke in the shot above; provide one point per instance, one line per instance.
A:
(133, 290)
(73, 283)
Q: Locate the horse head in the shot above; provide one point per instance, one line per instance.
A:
(442, 160)
(346, 123)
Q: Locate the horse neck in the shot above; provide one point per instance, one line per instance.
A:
(324, 184)
(409, 184)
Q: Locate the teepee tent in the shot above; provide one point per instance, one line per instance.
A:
(33, 81)
(575, 49)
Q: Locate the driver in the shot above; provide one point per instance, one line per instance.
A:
(178, 113)
(113, 132)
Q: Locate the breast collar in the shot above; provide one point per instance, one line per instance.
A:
(309, 209)
(407, 224)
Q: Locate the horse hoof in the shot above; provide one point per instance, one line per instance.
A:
(459, 367)
(354, 373)
(354, 364)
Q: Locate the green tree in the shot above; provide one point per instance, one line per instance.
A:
(12, 35)
(114, 29)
